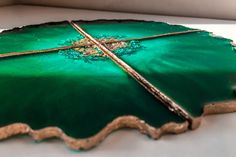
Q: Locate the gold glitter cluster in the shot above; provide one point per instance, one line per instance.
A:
(89, 49)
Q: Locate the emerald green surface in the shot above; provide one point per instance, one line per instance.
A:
(37, 38)
(193, 69)
(81, 97)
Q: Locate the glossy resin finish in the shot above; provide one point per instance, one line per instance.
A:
(81, 95)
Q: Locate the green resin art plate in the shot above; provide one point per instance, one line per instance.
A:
(81, 80)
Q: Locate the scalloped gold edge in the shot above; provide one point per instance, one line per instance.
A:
(214, 108)
(88, 143)
(116, 124)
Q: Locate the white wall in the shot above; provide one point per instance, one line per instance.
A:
(6, 2)
(225, 9)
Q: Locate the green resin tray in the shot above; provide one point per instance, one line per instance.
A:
(81, 80)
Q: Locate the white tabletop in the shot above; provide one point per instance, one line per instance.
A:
(215, 137)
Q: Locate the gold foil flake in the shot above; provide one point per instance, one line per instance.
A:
(92, 50)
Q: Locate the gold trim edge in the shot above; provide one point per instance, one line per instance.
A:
(118, 123)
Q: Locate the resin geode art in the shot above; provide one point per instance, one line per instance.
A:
(81, 80)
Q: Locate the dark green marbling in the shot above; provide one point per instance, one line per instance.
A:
(82, 97)
(79, 97)
(193, 69)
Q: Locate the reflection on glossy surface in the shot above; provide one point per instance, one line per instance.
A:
(82, 97)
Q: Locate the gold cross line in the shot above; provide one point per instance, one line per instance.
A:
(170, 104)
(53, 50)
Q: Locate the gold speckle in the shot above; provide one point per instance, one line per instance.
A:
(92, 50)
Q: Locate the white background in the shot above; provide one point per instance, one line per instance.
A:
(216, 136)
(225, 9)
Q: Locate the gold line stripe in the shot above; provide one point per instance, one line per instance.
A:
(14, 54)
(140, 79)
(53, 50)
